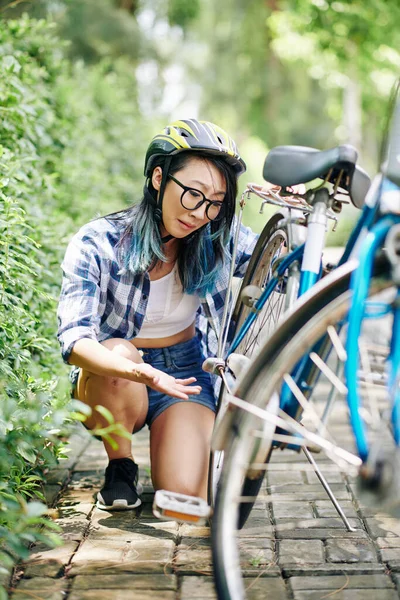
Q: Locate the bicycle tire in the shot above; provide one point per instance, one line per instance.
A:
(301, 329)
(271, 238)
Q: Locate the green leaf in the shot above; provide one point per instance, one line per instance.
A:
(105, 413)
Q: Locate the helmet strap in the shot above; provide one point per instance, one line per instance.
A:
(164, 179)
(158, 208)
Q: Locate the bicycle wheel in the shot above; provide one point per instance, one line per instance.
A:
(314, 329)
(271, 245)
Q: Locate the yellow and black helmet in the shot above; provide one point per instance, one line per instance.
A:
(190, 134)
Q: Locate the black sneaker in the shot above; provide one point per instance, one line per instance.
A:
(121, 488)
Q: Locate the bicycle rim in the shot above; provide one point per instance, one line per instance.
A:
(271, 243)
(274, 246)
(329, 303)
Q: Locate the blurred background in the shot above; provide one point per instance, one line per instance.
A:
(308, 72)
(84, 86)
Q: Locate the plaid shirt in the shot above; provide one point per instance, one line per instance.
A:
(101, 300)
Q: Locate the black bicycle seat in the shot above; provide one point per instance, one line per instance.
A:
(291, 165)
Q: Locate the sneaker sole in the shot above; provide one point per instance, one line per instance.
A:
(119, 504)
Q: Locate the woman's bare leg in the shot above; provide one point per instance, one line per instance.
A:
(126, 400)
(180, 448)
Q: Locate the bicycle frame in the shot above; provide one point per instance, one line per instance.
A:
(307, 277)
(359, 286)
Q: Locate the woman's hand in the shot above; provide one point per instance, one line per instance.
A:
(162, 382)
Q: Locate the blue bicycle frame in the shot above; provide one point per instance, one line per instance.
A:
(307, 279)
(359, 286)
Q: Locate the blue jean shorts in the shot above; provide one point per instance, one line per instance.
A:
(182, 361)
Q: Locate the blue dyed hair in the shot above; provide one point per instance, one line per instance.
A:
(204, 250)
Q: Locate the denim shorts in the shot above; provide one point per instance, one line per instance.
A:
(182, 361)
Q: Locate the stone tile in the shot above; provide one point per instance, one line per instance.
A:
(41, 587)
(345, 550)
(198, 588)
(116, 524)
(329, 523)
(332, 476)
(122, 595)
(332, 569)
(301, 489)
(76, 501)
(91, 480)
(394, 565)
(189, 531)
(74, 527)
(317, 529)
(304, 494)
(193, 556)
(347, 595)
(300, 552)
(383, 527)
(107, 556)
(325, 508)
(258, 525)
(265, 588)
(277, 479)
(390, 554)
(335, 582)
(125, 581)
(48, 562)
(256, 555)
(393, 542)
(257, 588)
(298, 510)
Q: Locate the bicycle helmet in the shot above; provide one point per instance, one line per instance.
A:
(196, 135)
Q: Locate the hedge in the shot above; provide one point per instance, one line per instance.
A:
(72, 143)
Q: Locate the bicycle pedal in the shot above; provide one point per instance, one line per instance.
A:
(180, 507)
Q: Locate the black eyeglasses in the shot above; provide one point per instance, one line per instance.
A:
(192, 199)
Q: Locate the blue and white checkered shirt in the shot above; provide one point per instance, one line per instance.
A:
(101, 300)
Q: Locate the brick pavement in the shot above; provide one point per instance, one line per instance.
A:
(294, 546)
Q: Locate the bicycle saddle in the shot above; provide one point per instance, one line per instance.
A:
(290, 165)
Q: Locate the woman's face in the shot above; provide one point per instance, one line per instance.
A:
(200, 175)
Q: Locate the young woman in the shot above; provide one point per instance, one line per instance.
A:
(141, 302)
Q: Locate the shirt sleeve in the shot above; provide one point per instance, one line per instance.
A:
(246, 244)
(78, 309)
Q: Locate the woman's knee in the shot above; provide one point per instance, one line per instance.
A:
(123, 348)
(127, 350)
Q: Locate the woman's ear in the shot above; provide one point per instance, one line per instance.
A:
(156, 178)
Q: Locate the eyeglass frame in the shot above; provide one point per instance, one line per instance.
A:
(210, 202)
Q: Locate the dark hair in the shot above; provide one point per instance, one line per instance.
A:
(205, 249)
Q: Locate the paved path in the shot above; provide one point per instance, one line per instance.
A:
(295, 547)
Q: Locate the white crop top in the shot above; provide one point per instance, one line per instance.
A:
(169, 309)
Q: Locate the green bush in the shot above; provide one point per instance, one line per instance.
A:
(71, 146)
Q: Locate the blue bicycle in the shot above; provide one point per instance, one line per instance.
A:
(286, 262)
(338, 347)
